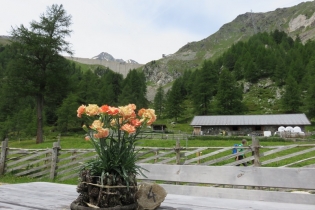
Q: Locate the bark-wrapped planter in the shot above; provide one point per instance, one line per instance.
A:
(109, 192)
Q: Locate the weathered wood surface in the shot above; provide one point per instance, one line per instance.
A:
(51, 196)
(156, 157)
(225, 157)
(298, 178)
(288, 156)
(11, 169)
(4, 145)
(290, 178)
(39, 168)
(299, 161)
(206, 155)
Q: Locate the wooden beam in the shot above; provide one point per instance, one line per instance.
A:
(295, 178)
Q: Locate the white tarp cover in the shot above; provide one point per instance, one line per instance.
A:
(281, 129)
(289, 128)
(297, 129)
(267, 133)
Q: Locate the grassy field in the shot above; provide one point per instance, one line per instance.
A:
(78, 142)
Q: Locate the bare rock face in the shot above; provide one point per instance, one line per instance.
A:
(301, 21)
(159, 73)
(265, 83)
(246, 87)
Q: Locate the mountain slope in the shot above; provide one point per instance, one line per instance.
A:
(297, 20)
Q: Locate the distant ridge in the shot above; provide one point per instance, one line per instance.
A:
(115, 65)
(108, 57)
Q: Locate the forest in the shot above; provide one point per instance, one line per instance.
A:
(41, 90)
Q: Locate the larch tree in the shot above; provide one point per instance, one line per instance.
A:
(204, 88)
(310, 87)
(159, 100)
(174, 100)
(38, 52)
(134, 89)
(310, 101)
(229, 96)
(88, 88)
(110, 88)
(291, 99)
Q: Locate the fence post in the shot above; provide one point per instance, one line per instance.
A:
(197, 155)
(73, 153)
(177, 151)
(3, 155)
(54, 158)
(156, 153)
(256, 147)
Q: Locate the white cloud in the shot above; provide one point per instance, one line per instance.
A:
(136, 29)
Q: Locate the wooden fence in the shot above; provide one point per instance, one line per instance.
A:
(63, 164)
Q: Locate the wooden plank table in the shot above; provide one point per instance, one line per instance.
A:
(51, 196)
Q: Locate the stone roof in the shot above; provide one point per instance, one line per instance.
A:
(272, 119)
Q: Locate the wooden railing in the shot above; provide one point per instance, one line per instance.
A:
(271, 184)
(63, 164)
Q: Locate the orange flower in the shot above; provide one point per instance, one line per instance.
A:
(127, 111)
(129, 128)
(141, 111)
(132, 106)
(97, 124)
(152, 118)
(92, 110)
(102, 133)
(135, 122)
(115, 122)
(109, 109)
(81, 110)
(147, 114)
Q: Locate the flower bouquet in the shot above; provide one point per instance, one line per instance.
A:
(109, 180)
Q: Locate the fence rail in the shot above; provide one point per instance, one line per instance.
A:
(64, 164)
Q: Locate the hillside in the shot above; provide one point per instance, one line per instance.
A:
(297, 20)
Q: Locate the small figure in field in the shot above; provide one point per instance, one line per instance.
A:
(240, 157)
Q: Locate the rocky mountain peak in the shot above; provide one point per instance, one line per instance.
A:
(104, 56)
(108, 57)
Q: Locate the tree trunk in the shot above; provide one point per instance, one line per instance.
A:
(39, 113)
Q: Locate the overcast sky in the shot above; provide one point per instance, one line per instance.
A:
(141, 30)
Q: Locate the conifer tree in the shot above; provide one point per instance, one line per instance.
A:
(66, 120)
(309, 85)
(229, 96)
(310, 100)
(110, 88)
(38, 51)
(174, 100)
(291, 99)
(134, 89)
(280, 72)
(204, 88)
(159, 101)
(87, 90)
